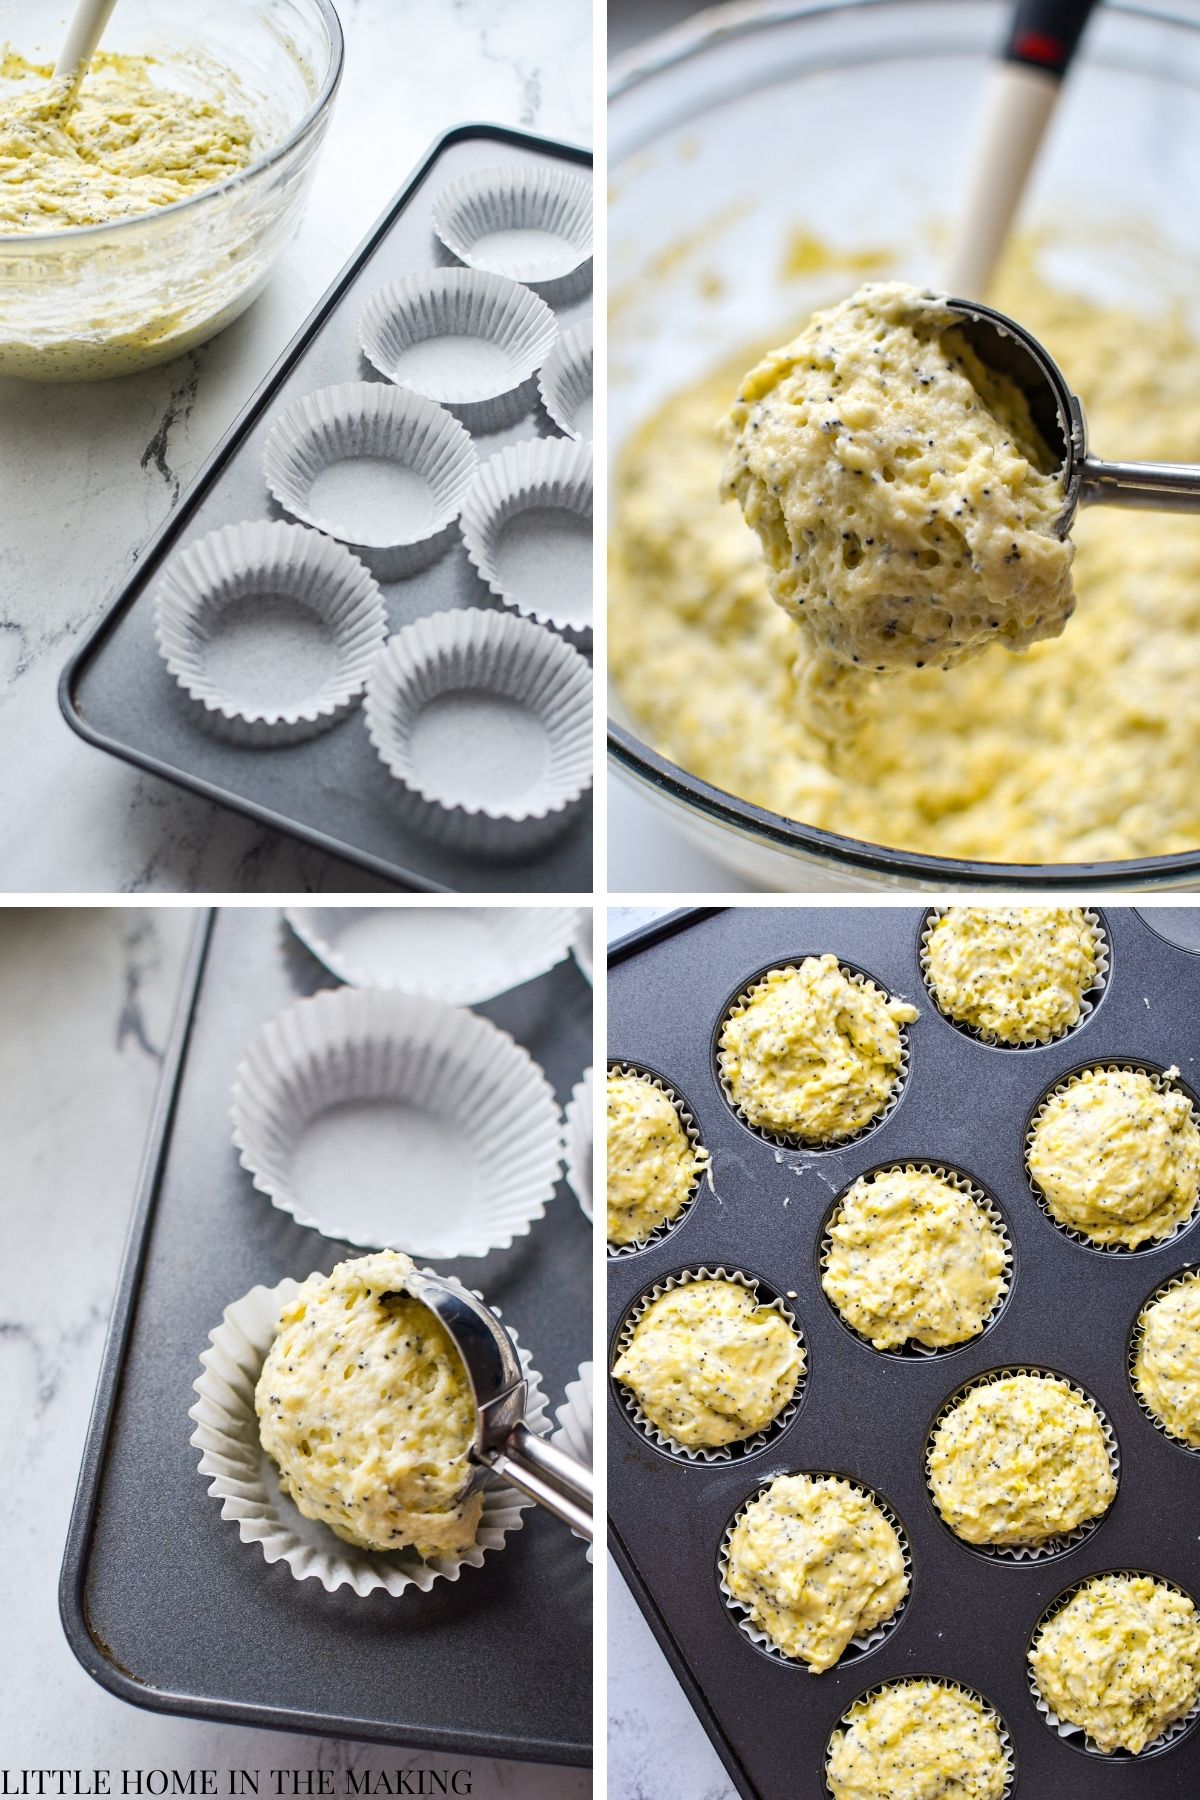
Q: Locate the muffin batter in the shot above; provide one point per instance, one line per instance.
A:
(1121, 1659)
(913, 1257)
(918, 1740)
(119, 144)
(901, 493)
(1084, 747)
(1117, 1157)
(1166, 1369)
(709, 1364)
(1016, 974)
(816, 1563)
(366, 1408)
(653, 1166)
(813, 1054)
(1020, 1460)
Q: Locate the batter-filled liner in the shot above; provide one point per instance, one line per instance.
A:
(533, 224)
(527, 526)
(959, 1687)
(1185, 1278)
(642, 1072)
(1088, 1002)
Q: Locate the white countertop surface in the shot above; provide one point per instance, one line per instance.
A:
(87, 1000)
(89, 471)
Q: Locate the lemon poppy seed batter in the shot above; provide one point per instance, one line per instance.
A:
(919, 1740)
(653, 1166)
(1166, 1368)
(1016, 974)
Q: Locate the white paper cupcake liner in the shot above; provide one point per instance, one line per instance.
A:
(944, 1681)
(858, 1647)
(579, 1143)
(1087, 1004)
(1075, 1734)
(1183, 1278)
(531, 224)
(738, 1005)
(565, 382)
(246, 1481)
(575, 1420)
(964, 1184)
(379, 468)
(486, 723)
(1165, 1084)
(392, 1121)
(527, 526)
(581, 944)
(468, 339)
(460, 954)
(721, 1453)
(1066, 1540)
(271, 629)
(640, 1072)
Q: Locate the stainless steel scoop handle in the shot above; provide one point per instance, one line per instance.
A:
(1161, 487)
(548, 1475)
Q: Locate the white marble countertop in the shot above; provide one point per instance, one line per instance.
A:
(87, 1000)
(89, 471)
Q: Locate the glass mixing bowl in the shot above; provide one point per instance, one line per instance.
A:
(100, 300)
(854, 122)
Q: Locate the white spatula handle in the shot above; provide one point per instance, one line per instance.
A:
(83, 34)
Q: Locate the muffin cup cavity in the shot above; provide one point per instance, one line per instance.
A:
(579, 1143)
(244, 1479)
(641, 1072)
(1184, 1278)
(531, 224)
(1089, 1000)
(1164, 1084)
(565, 382)
(527, 526)
(965, 1185)
(767, 1296)
(574, 1430)
(944, 1681)
(858, 1647)
(1051, 1547)
(738, 1004)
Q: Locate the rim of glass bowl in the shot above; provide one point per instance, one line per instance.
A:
(641, 63)
(29, 241)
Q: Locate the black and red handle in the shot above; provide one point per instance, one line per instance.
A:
(1045, 34)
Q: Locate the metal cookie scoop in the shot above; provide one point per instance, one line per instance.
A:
(1009, 349)
(504, 1444)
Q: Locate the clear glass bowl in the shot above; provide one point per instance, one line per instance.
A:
(854, 121)
(99, 300)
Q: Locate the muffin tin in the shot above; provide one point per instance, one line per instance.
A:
(866, 1416)
(161, 1601)
(334, 790)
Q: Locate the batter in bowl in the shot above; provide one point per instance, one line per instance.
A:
(653, 1166)
(1015, 974)
(1166, 1369)
(1121, 1660)
(919, 1740)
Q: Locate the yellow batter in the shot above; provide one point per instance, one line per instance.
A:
(124, 144)
(913, 1257)
(901, 493)
(1166, 1367)
(653, 1166)
(1020, 1460)
(816, 1563)
(1016, 974)
(1084, 747)
(709, 1364)
(918, 1740)
(1121, 1660)
(1117, 1157)
(811, 1053)
(366, 1408)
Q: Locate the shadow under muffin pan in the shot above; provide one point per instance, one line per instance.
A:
(1089, 1000)
(620, 1065)
(866, 1415)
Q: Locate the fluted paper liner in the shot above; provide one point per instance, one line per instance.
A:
(1088, 1001)
(565, 382)
(478, 805)
(533, 224)
(742, 1447)
(466, 338)
(581, 945)
(942, 1681)
(465, 1100)
(1182, 1278)
(858, 1647)
(462, 955)
(1075, 1733)
(535, 499)
(1165, 1083)
(956, 1179)
(273, 571)
(813, 1145)
(434, 461)
(1066, 1540)
(579, 1143)
(246, 1482)
(573, 1432)
(692, 1133)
